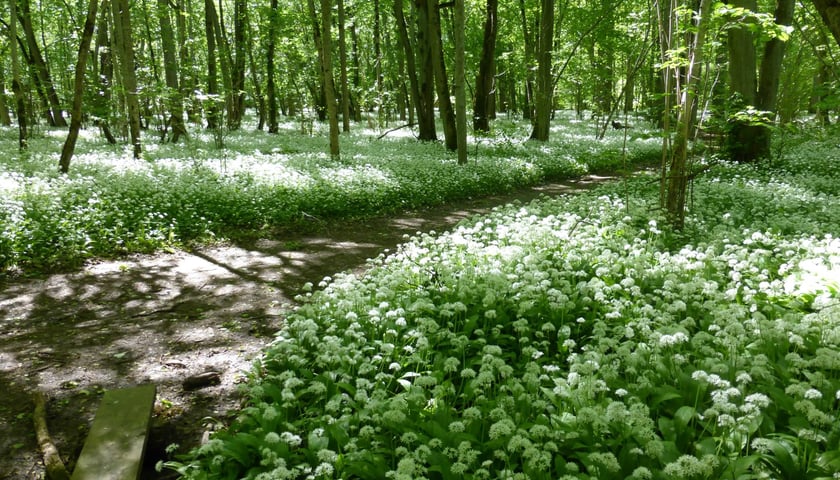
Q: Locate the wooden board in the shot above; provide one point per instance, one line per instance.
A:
(117, 440)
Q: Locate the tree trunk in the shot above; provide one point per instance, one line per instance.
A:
(271, 88)
(20, 106)
(56, 119)
(186, 77)
(342, 53)
(170, 71)
(528, 98)
(105, 77)
(460, 82)
(226, 67)
(544, 96)
(213, 113)
(447, 113)
(425, 47)
(5, 119)
(125, 49)
(425, 118)
(78, 89)
(770, 74)
(255, 79)
(323, 45)
(741, 141)
(377, 53)
(830, 13)
(484, 81)
(677, 173)
(238, 67)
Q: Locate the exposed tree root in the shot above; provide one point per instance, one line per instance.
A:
(52, 460)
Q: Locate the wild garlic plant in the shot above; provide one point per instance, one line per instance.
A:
(574, 338)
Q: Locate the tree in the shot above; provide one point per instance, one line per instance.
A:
(447, 113)
(213, 113)
(830, 12)
(545, 86)
(78, 89)
(342, 53)
(20, 107)
(39, 65)
(460, 82)
(323, 45)
(485, 79)
(420, 91)
(170, 67)
(123, 39)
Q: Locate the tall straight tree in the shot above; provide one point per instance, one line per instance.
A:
(123, 39)
(545, 85)
(460, 82)
(447, 113)
(78, 89)
(749, 140)
(240, 8)
(213, 111)
(39, 65)
(528, 103)
(5, 119)
(485, 79)
(174, 100)
(342, 53)
(270, 86)
(830, 13)
(420, 91)
(323, 44)
(17, 89)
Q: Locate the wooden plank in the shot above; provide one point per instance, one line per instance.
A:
(117, 440)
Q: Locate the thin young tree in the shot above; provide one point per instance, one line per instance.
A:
(447, 112)
(78, 89)
(322, 35)
(39, 67)
(173, 97)
(342, 53)
(17, 89)
(460, 82)
(123, 39)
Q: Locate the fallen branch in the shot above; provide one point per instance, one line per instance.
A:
(52, 460)
(394, 130)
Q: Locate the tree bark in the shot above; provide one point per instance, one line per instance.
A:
(830, 12)
(56, 119)
(170, 70)
(342, 53)
(213, 111)
(270, 86)
(425, 117)
(485, 81)
(20, 106)
(460, 82)
(125, 49)
(528, 100)
(102, 100)
(425, 46)
(323, 45)
(447, 113)
(544, 96)
(741, 145)
(78, 89)
(5, 119)
(771, 72)
(238, 67)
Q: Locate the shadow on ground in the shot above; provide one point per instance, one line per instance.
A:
(161, 318)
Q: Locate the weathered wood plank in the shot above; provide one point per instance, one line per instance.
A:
(117, 440)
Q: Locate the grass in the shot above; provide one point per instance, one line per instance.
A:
(573, 338)
(111, 204)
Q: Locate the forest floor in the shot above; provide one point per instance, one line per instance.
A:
(165, 317)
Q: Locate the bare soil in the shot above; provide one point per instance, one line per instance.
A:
(162, 318)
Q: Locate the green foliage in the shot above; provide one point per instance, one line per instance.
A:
(111, 204)
(569, 339)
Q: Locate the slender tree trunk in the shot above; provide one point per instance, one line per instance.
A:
(78, 89)
(425, 117)
(5, 119)
(240, 8)
(255, 79)
(342, 53)
(186, 77)
(271, 89)
(460, 81)
(213, 113)
(677, 174)
(105, 77)
(20, 106)
(485, 81)
(447, 113)
(170, 68)
(544, 96)
(125, 49)
(377, 53)
(226, 64)
(528, 98)
(323, 45)
(40, 66)
(357, 76)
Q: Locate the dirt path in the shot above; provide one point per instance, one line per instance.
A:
(161, 318)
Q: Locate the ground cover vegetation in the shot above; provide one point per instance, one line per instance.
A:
(112, 204)
(570, 338)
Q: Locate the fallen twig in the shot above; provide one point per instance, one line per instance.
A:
(52, 460)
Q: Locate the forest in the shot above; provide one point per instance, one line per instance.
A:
(679, 321)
